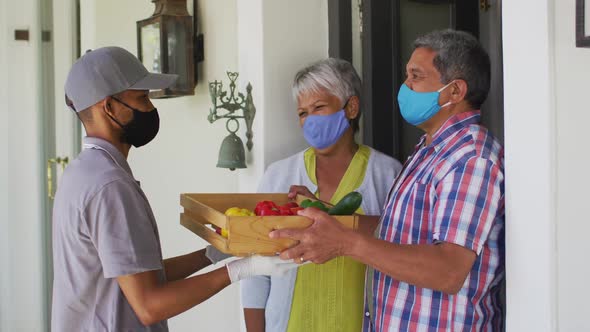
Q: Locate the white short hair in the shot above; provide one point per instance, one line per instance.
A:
(334, 76)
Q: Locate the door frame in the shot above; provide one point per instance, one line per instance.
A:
(340, 29)
(61, 130)
(47, 127)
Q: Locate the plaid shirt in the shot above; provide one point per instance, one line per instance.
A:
(449, 191)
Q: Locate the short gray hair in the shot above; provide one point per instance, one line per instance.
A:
(334, 76)
(460, 56)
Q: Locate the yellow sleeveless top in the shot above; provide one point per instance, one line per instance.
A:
(330, 297)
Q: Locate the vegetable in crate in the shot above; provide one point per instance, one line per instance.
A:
(316, 204)
(266, 208)
(305, 203)
(288, 209)
(269, 208)
(236, 211)
(347, 205)
(221, 231)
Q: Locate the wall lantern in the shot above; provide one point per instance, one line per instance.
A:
(231, 153)
(167, 43)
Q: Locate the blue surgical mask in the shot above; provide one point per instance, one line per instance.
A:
(418, 107)
(322, 131)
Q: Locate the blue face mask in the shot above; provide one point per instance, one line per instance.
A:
(322, 131)
(418, 107)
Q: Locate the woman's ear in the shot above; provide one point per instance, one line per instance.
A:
(352, 107)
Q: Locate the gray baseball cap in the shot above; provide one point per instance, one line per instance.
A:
(107, 71)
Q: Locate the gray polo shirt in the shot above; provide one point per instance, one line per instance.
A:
(103, 227)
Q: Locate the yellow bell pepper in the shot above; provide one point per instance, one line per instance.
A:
(236, 211)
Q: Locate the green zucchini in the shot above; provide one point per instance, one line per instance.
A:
(347, 205)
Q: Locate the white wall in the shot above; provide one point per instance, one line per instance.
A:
(21, 283)
(529, 122)
(572, 83)
(547, 112)
(4, 245)
(276, 39)
(295, 34)
(184, 154)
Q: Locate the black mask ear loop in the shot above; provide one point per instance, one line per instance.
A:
(123, 136)
(113, 118)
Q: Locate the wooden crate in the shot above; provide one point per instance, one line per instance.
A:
(246, 235)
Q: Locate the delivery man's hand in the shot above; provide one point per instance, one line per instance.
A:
(325, 239)
(258, 265)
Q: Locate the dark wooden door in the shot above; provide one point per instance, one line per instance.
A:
(388, 29)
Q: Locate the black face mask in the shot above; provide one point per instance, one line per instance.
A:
(142, 128)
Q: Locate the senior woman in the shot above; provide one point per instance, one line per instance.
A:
(327, 297)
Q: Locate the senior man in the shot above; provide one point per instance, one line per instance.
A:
(437, 256)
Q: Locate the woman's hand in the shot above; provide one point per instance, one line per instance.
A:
(295, 190)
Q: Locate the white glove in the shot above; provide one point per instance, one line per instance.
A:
(215, 255)
(258, 266)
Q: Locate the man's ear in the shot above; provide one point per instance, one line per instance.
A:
(458, 91)
(106, 105)
(352, 107)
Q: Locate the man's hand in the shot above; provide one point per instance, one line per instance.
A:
(180, 267)
(258, 266)
(299, 190)
(153, 301)
(324, 240)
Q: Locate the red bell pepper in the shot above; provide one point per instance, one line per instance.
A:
(285, 211)
(291, 205)
(269, 208)
(264, 205)
(269, 212)
(295, 209)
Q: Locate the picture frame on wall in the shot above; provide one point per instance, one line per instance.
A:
(582, 23)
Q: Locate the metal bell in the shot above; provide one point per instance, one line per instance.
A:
(231, 153)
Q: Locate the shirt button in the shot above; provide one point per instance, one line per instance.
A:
(367, 314)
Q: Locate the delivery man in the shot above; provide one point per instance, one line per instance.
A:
(109, 274)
